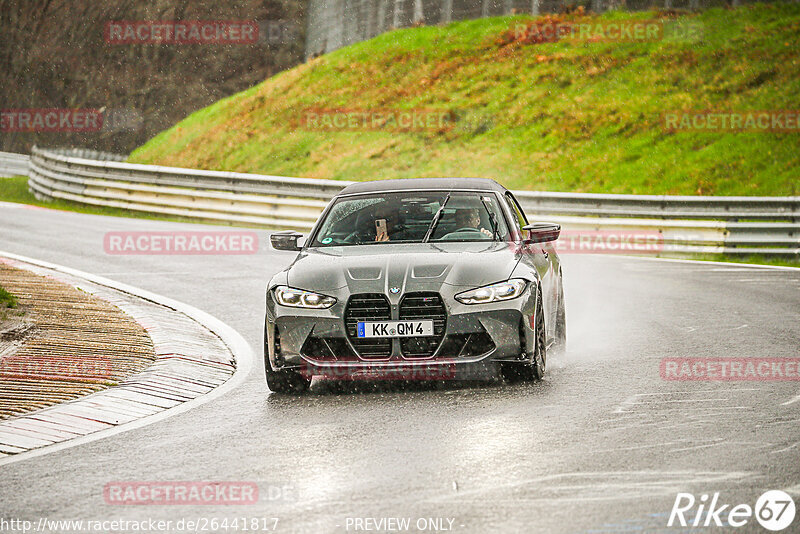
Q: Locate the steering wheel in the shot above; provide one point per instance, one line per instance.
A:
(358, 237)
(470, 231)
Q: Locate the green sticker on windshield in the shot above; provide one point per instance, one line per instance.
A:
(327, 240)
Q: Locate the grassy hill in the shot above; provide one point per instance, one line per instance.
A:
(572, 115)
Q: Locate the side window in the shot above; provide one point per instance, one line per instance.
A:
(521, 221)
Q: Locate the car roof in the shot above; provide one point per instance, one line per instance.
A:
(438, 184)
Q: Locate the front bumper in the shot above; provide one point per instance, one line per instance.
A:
(470, 344)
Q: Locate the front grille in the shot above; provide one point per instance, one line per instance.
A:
(423, 306)
(368, 307)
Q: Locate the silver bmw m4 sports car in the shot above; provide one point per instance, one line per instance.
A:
(420, 279)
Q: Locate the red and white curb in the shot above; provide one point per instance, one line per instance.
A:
(198, 358)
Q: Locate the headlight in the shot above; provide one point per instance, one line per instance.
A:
(298, 298)
(493, 293)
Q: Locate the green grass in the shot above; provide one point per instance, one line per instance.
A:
(8, 305)
(564, 116)
(7, 300)
(756, 259)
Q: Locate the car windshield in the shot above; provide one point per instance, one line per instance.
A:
(406, 217)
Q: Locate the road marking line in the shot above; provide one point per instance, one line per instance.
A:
(632, 484)
(791, 401)
(705, 446)
(635, 400)
(695, 391)
(722, 266)
(595, 451)
(156, 273)
(673, 401)
(781, 422)
(786, 448)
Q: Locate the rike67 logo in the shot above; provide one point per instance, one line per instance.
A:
(774, 511)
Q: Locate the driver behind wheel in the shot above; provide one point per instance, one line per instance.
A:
(469, 218)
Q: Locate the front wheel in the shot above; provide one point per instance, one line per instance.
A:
(533, 369)
(289, 382)
(560, 345)
(540, 351)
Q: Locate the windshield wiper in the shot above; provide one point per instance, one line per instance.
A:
(435, 220)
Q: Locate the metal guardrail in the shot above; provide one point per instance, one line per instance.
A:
(664, 206)
(273, 201)
(88, 153)
(13, 164)
(687, 224)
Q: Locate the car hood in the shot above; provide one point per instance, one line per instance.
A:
(408, 267)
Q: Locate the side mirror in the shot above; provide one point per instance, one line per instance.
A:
(286, 240)
(542, 232)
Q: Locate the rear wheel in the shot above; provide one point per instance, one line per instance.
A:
(534, 368)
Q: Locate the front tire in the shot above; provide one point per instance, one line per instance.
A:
(534, 369)
(560, 345)
(540, 351)
(288, 382)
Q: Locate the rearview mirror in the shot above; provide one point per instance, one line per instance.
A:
(286, 240)
(542, 232)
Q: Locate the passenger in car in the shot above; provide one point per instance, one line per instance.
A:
(387, 223)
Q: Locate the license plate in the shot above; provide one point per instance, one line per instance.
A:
(395, 328)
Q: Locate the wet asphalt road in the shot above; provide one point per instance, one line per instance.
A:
(603, 444)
